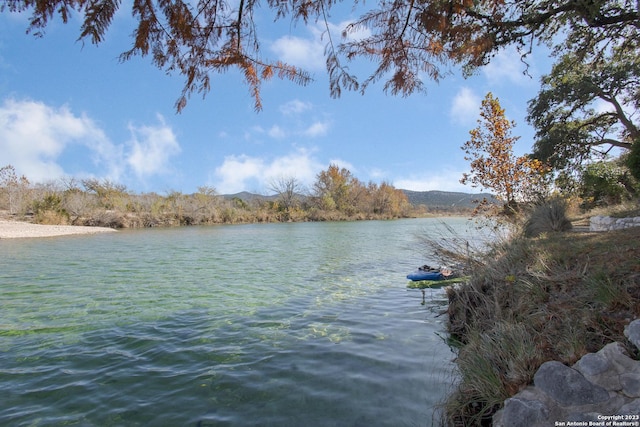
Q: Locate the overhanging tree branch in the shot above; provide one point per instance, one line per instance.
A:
(409, 39)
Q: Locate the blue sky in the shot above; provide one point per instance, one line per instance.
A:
(72, 110)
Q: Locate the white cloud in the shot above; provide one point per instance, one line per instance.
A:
(355, 33)
(296, 127)
(343, 164)
(465, 108)
(40, 141)
(308, 53)
(235, 173)
(295, 106)
(33, 136)
(507, 66)
(246, 173)
(276, 132)
(443, 181)
(304, 53)
(300, 165)
(316, 129)
(378, 174)
(151, 148)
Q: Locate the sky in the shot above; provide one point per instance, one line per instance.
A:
(69, 109)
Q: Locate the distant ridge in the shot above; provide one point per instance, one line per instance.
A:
(248, 197)
(446, 199)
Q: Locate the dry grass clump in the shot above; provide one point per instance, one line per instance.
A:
(550, 216)
(627, 208)
(51, 217)
(445, 246)
(555, 297)
(491, 365)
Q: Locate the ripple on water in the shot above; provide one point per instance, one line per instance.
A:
(273, 325)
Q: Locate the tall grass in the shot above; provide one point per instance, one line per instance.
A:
(553, 297)
(447, 247)
(550, 216)
(491, 366)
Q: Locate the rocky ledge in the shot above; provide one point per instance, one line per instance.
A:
(607, 223)
(601, 389)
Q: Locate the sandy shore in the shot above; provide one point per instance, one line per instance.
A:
(17, 230)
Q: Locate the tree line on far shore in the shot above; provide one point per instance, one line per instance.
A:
(335, 195)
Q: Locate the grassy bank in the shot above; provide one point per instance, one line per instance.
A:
(530, 300)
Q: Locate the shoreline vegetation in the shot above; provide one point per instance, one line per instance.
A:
(555, 296)
(51, 216)
(336, 196)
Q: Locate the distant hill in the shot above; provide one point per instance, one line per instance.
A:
(445, 199)
(248, 197)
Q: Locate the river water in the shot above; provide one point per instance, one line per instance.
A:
(302, 324)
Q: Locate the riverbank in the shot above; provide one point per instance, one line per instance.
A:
(529, 301)
(598, 390)
(19, 230)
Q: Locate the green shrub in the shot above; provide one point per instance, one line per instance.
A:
(50, 211)
(633, 160)
(605, 184)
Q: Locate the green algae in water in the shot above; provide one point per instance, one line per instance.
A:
(224, 321)
(425, 284)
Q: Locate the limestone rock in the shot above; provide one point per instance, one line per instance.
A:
(616, 353)
(567, 386)
(592, 364)
(518, 412)
(632, 332)
(600, 368)
(582, 417)
(631, 408)
(630, 384)
(602, 383)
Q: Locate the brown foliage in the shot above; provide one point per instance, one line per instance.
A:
(407, 39)
(493, 164)
(339, 196)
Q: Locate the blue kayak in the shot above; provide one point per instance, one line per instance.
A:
(425, 275)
